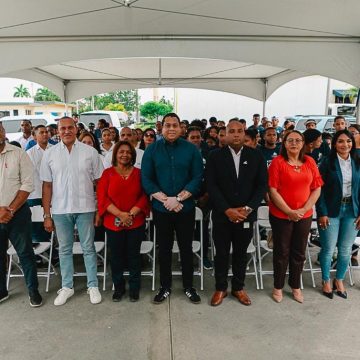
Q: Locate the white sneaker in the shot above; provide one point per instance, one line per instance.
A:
(63, 294)
(95, 296)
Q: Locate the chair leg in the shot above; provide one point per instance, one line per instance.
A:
(255, 271)
(310, 266)
(9, 272)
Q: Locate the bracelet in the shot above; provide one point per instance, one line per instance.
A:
(47, 216)
(11, 211)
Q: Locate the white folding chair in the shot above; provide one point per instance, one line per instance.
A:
(43, 249)
(251, 250)
(197, 247)
(101, 253)
(148, 248)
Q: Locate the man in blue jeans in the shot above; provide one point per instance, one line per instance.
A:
(16, 183)
(69, 171)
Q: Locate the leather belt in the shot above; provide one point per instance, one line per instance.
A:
(346, 200)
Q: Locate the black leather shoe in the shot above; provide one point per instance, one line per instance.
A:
(118, 294)
(330, 294)
(342, 294)
(134, 295)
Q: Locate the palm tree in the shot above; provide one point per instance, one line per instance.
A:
(44, 94)
(21, 92)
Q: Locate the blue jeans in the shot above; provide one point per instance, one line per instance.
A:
(341, 233)
(64, 224)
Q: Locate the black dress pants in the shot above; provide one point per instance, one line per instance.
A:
(239, 235)
(183, 225)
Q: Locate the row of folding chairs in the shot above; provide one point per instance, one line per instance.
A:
(263, 249)
(148, 248)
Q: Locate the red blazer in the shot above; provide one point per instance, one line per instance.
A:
(112, 188)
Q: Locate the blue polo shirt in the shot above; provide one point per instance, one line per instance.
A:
(171, 167)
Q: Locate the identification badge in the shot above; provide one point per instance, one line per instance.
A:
(246, 225)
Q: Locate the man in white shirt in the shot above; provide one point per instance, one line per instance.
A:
(26, 136)
(69, 171)
(16, 183)
(36, 153)
(126, 134)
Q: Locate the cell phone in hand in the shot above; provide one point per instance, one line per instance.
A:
(117, 222)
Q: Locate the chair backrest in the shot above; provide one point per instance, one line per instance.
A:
(198, 214)
(37, 213)
(263, 213)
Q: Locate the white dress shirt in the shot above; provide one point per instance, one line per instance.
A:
(139, 156)
(236, 158)
(104, 151)
(72, 176)
(36, 154)
(16, 173)
(346, 172)
(23, 141)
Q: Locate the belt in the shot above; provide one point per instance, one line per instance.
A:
(346, 200)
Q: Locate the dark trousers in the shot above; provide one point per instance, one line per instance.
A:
(39, 234)
(290, 241)
(225, 234)
(183, 225)
(124, 249)
(18, 231)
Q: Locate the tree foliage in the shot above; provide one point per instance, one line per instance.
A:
(153, 109)
(44, 94)
(115, 107)
(21, 92)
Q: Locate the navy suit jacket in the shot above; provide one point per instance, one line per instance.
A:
(227, 190)
(329, 202)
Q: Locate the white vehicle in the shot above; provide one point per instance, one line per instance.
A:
(342, 109)
(12, 123)
(117, 119)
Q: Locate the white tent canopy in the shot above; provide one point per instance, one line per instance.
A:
(79, 48)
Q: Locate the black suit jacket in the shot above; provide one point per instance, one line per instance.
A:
(226, 190)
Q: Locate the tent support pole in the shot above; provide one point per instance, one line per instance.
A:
(65, 83)
(265, 81)
(358, 108)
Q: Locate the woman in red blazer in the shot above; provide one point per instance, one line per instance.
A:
(123, 205)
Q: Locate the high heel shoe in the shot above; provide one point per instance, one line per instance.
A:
(277, 295)
(330, 294)
(342, 294)
(298, 296)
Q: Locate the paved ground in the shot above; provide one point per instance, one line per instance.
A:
(318, 329)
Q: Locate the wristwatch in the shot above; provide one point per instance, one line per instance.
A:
(178, 198)
(248, 209)
(47, 216)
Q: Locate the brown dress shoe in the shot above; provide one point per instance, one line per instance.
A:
(242, 296)
(217, 298)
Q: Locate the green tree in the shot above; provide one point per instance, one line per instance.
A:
(21, 92)
(153, 109)
(44, 94)
(115, 107)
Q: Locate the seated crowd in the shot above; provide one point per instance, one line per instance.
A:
(102, 181)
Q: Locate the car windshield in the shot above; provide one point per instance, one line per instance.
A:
(94, 118)
(300, 125)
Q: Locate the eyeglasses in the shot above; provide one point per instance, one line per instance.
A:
(149, 135)
(292, 141)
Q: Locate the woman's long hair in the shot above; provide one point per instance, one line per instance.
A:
(142, 143)
(333, 152)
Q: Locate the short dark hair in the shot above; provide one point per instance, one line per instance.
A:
(256, 115)
(355, 126)
(270, 128)
(242, 121)
(191, 129)
(116, 149)
(221, 128)
(251, 133)
(170, 115)
(283, 151)
(213, 119)
(338, 117)
(29, 121)
(39, 126)
(310, 135)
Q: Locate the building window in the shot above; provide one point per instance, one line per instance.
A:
(16, 112)
(27, 112)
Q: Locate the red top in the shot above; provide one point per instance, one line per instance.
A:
(294, 186)
(124, 194)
